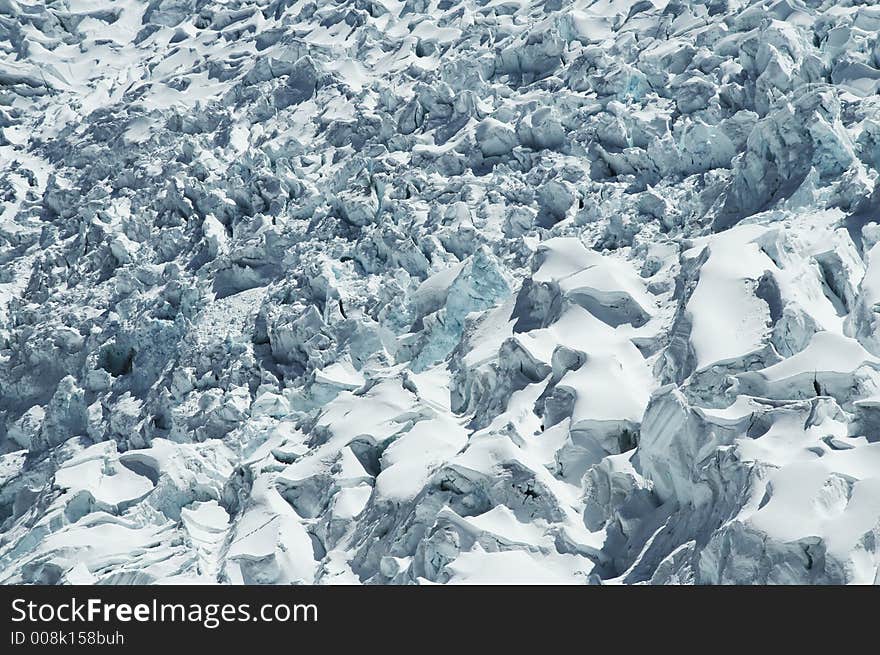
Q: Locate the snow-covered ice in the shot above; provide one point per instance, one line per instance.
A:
(439, 291)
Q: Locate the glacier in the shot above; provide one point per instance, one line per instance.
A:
(439, 292)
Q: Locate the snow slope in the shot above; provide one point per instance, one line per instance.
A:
(439, 291)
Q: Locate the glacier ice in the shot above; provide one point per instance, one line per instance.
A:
(434, 291)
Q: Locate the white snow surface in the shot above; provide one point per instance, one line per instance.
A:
(439, 291)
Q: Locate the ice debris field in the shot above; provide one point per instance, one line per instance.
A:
(439, 291)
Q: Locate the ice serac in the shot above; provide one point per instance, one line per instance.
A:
(378, 292)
